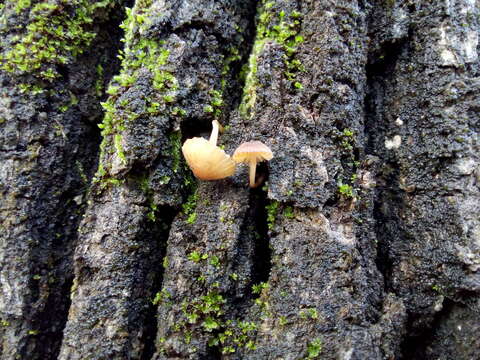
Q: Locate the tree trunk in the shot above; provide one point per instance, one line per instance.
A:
(362, 240)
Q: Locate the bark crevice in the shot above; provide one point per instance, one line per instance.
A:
(414, 345)
(164, 218)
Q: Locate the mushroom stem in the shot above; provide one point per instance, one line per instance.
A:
(253, 169)
(214, 135)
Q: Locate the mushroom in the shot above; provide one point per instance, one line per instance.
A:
(206, 159)
(252, 152)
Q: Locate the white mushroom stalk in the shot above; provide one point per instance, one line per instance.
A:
(252, 171)
(216, 127)
(251, 153)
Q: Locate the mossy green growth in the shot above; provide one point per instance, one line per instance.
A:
(57, 32)
(347, 139)
(99, 81)
(117, 140)
(288, 212)
(216, 103)
(196, 256)
(258, 288)
(206, 314)
(139, 54)
(188, 208)
(346, 190)
(176, 149)
(282, 29)
(22, 5)
(143, 182)
(272, 211)
(161, 297)
(4, 323)
(314, 348)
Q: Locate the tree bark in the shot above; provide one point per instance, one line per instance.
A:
(362, 241)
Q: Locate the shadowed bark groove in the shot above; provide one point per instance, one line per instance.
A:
(49, 143)
(262, 257)
(383, 56)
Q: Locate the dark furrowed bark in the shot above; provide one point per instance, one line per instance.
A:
(178, 71)
(423, 128)
(49, 142)
(361, 241)
(324, 294)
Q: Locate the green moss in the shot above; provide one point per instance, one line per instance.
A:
(117, 139)
(282, 29)
(233, 56)
(188, 208)
(139, 53)
(288, 212)
(73, 101)
(57, 32)
(206, 315)
(196, 256)
(390, 3)
(214, 261)
(216, 103)
(347, 180)
(161, 297)
(22, 5)
(347, 139)
(272, 211)
(4, 323)
(100, 80)
(346, 190)
(251, 81)
(234, 276)
(298, 85)
(81, 173)
(29, 88)
(112, 181)
(175, 139)
(143, 183)
(258, 288)
(314, 348)
(311, 313)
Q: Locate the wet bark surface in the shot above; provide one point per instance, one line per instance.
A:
(362, 241)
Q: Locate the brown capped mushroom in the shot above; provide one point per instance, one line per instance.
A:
(252, 152)
(206, 160)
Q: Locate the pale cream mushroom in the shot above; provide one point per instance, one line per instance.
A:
(206, 160)
(252, 152)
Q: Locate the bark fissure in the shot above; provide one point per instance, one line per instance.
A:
(379, 71)
(262, 262)
(415, 343)
(164, 218)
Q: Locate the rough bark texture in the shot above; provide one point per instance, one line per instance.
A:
(49, 147)
(363, 241)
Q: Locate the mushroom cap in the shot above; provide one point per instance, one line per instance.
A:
(252, 150)
(207, 161)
